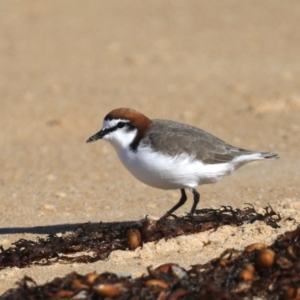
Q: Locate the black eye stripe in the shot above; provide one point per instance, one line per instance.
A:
(109, 130)
(129, 126)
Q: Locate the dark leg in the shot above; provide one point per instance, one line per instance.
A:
(180, 203)
(196, 200)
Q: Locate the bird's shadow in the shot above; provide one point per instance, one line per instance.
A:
(59, 228)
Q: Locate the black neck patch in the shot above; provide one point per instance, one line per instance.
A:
(135, 143)
(133, 146)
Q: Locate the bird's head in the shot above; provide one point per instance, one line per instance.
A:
(123, 128)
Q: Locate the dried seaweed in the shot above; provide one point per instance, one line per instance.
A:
(97, 242)
(259, 271)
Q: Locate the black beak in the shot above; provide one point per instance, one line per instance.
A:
(95, 137)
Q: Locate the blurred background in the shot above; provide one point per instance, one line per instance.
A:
(229, 67)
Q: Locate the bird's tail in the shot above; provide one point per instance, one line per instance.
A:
(268, 155)
(252, 156)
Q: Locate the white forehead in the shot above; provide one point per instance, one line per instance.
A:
(112, 122)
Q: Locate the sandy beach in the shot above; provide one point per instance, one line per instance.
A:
(230, 68)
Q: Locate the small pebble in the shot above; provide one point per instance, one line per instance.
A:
(265, 258)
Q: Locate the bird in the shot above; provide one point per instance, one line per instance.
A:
(169, 155)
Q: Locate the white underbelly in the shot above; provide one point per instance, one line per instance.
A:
(166, 172)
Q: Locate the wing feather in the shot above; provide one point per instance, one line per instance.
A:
(171, 138)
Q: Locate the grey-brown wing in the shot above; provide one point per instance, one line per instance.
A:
(172, 138)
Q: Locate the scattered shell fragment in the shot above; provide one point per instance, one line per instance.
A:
(250, 267)
(178, 272)
(91, 277)
(63, 294)
(256, 246)
(134, 239)
(157, 282)
(107, 290)
(165, 268)
(265, 258)
(283, 262)
(245, 274)
(148, 227)
(79, 285)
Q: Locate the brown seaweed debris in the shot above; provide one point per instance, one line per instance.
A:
(233, 275)
(102, 239)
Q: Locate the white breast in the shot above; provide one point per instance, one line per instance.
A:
(167, 172)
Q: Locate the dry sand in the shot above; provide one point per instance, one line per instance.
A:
(231, 68)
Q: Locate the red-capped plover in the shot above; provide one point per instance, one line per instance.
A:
(169, 155)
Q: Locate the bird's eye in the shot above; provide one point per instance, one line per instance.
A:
(121, 124)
